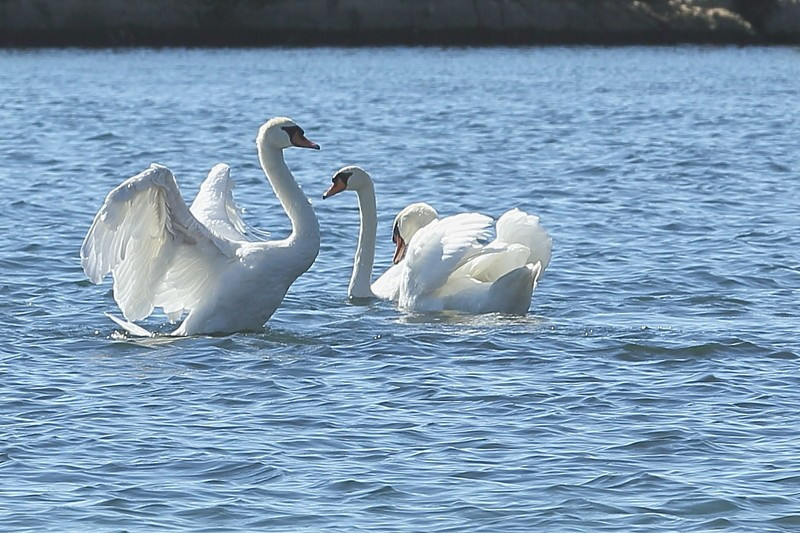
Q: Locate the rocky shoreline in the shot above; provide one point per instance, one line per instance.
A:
(102, 23)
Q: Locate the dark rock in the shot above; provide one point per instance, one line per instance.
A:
(357, 22)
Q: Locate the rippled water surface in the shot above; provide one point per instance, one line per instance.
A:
(652, 387)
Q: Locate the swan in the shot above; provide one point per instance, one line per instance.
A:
(440, 264)
(202, 261)
(447, 266)
(353, 178)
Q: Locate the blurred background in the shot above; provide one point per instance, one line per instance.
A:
(359, 22)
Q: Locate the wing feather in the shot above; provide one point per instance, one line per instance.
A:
(387, 286)
(492, 265)
(216, 209)
(439, 249)
(145, 236)
(516, 226)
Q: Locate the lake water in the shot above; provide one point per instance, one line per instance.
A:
(653, 386)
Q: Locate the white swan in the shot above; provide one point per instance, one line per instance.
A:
(202, 261)
(444, 266)
(353, 178)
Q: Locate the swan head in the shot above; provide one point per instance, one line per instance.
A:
(282, 132)
(351, 178)
(409, 221)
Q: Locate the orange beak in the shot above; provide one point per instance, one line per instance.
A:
(399, 251)
(301, 141)
(336, 187)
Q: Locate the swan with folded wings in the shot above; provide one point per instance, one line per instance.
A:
(448, 263)
(203, 262)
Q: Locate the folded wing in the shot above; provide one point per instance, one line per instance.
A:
(518, 227)
(387, 287)
(439, 249)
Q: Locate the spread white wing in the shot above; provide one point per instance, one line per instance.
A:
(438, 249)
(215, 208)
(159, 254)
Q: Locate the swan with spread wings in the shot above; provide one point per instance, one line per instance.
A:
(203, 262)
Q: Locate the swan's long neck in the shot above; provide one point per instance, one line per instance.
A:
(304, 221)
(365, 251)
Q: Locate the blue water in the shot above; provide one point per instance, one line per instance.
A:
(653, 386)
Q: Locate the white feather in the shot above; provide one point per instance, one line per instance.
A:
(516, 226)
(203, 261)
(446, 264)
(215, 208)
(439, 249)
(142, 226)
(387, 286)
(447, 267)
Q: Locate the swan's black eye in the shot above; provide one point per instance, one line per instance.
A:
(292, 130)
(395, 233)
(344, 176)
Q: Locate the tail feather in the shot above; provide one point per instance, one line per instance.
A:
(513, 291)
(131, 328)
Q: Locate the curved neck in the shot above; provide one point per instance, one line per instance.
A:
(365, 251)
(291, 196)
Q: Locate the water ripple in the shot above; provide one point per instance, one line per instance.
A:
(653, 386)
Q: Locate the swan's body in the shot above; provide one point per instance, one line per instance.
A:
(386, 286)
(440, 264)
(446, 266)
(202, 261)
